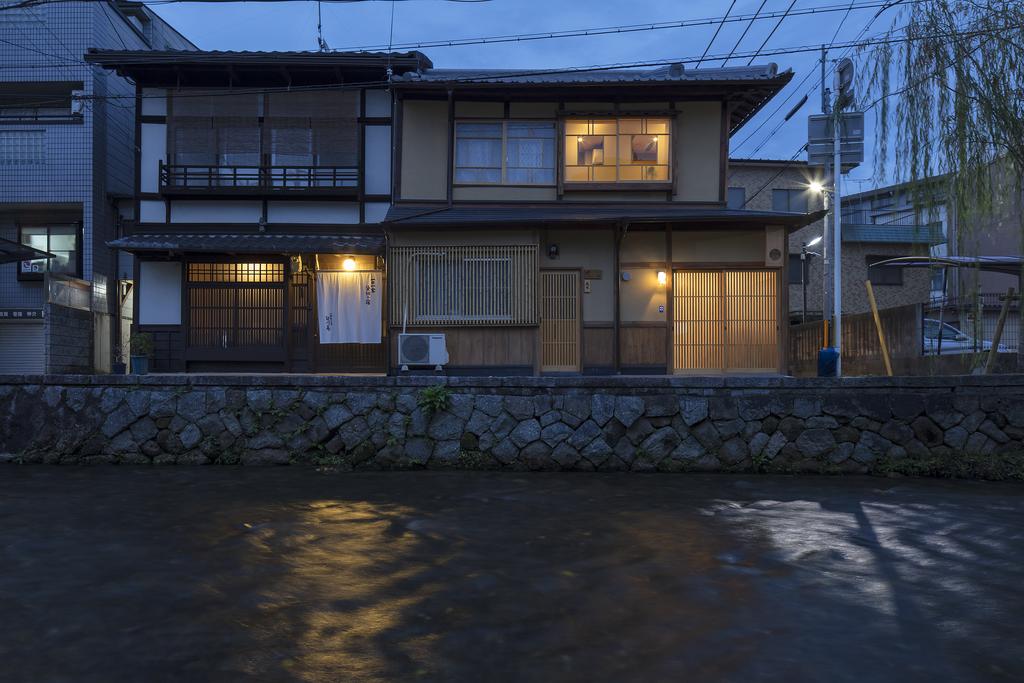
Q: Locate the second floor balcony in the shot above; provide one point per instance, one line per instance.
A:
(230, 179)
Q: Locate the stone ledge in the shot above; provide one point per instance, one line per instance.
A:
(620, 382)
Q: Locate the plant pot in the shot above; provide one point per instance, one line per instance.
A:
(118, 368)
(140, 365)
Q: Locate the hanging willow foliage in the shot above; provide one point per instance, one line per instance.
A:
(948, 94)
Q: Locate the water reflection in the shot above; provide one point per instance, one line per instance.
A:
(210, 574)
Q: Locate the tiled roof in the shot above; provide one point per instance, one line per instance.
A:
(674, 73)
(241, 243)
(149, 57)
(573, 212)
(901, 234)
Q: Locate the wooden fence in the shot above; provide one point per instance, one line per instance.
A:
(862, 354)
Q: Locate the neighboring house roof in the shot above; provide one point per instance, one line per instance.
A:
(900, 234)
(799, 163)
(12, 252)
(573, 212)
(194, 67)
(747, 87)
(1008, 265)
(242, 243)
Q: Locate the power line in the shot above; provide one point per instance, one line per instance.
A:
(774, 29)
(771, 180)
(583, 69)
(717, 30)
(832, 44)
(744, 34)
(606, 30)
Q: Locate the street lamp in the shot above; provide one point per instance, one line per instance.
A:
(804, 251)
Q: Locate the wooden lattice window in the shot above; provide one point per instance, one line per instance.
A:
(236, 305)
(463, 285)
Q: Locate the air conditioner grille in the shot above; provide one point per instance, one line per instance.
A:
(416, 348)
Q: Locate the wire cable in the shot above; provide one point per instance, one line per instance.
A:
(772, 32)
(744, 34)
(717, 30)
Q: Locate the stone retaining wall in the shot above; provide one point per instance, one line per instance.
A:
(620, 423)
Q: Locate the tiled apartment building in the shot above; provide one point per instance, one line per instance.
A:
(67, 171)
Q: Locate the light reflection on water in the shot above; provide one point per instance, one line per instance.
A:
(217, 574)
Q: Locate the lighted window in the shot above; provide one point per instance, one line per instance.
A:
(614, 150)
(60, 240)
(505, 152)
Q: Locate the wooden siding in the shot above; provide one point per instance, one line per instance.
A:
(486, 347)
(642, 345)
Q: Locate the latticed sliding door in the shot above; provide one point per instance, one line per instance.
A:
(699, 321)
(236, 307)
(560, 320)
(752, 321)
(725, 321)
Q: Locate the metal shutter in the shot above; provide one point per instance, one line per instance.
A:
(22, 348)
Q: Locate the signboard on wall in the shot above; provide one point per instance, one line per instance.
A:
(21, 314)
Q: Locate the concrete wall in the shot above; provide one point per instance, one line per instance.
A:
(69, 339)
(624, 423)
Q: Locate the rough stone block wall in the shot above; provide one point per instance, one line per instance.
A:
(69, 340)
(639, 424)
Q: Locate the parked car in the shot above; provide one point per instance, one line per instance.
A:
(953, 340)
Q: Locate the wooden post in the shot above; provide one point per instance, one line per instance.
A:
(997, 337)
(878, 328)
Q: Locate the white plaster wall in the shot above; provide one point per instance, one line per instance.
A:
(374, 212)
(220, 211)
(378, 160)
(159, 292)
(154, 151)
(312, 212)
(378, 103)
(152, 211)
(154, 102)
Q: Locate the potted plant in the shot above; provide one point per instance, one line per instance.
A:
(141, 349)
(118, 366)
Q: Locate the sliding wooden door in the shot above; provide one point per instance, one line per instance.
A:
(725, 321)
(560, 320)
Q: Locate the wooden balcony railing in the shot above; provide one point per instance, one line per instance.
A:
(198, 179)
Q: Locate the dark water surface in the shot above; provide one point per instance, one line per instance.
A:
(195, 574)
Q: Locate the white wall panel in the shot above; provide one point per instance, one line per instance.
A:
(313, 212)
(159, 292)
(152, 211)
(214, 211)
(378, 103)
(154, 102)
(154, 151)
(376, 211)
(378, 160)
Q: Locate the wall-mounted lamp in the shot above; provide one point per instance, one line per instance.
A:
(662, 278)
(552, 251)
(349, 263)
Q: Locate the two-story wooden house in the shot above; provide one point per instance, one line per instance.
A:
(577, 222)
(543, 222)
(260, 175)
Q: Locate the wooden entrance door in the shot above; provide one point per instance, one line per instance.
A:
(725, 321)
(560, 321)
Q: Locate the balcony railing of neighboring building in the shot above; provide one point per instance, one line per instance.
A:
(266, 179)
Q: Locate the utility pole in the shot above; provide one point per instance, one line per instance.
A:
(826, 245)
(837, 234)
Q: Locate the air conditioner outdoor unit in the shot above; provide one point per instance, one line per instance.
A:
(422, 349)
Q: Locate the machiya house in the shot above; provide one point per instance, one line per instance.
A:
(305, 212)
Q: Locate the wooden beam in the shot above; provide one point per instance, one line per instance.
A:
(998, 336)
(878, 328)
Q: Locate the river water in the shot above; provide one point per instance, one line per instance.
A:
(228, 574)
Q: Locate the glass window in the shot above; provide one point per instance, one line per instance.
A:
(635, 149)
(478, 152)
(737, 197)
(60, 240)
(505, 152)
(796, 266)
(883, 275)
(26, 101)
(792, 201)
